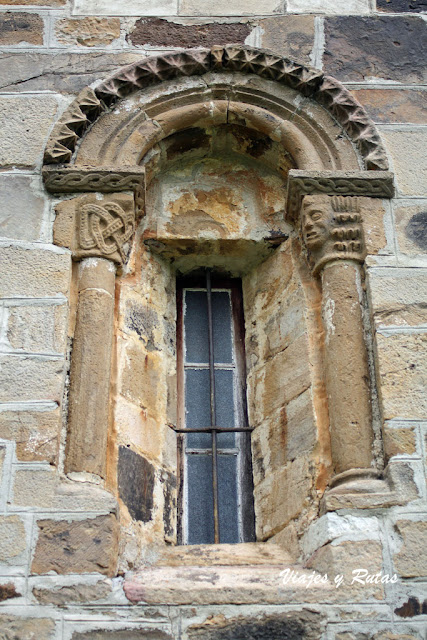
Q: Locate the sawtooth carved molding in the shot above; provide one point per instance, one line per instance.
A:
(372, 184)
(311, 82)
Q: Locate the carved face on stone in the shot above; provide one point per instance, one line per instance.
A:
(316, 214)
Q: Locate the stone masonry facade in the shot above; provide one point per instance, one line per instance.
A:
(124, 162)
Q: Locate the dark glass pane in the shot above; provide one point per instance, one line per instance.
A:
(200, 526)
(221, 319)
(196, 327)
(227, 497)
(197, 407)
(197, 404)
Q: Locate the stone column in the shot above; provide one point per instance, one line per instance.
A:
(90, 368)
(98, 236)
(332, 233)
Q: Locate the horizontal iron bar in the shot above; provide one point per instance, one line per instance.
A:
(209, 429)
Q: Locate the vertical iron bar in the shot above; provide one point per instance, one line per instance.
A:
(212, 408)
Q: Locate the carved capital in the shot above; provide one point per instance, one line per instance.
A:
(92, 226)
(331, 229)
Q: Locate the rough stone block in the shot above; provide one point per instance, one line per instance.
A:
(12, 539)
(34, 272)
(401, 360)
(36, 433)
(21, 27)
(268, 443)
(229, 8)
(289, 36)
(375, 47)
(79, 593)
(328, 6)
(140, 380)
(281, 497)
(31, 378)
(63, 72)
(394, 105)
(407, 149)
(136, 478)
(411, 229)
(88, 32)
(135, 425)
(79, 546)
(409, 562)
(404, 6)
(165, 33)
(34, 3)
(347, 559)
(398, 296)
(21, 213)
(332, 526)
(129, 8)
(302, 432)
(399, 441)
(40, 329)
(24, 628)
(134, 633)
(283, 378)
(8, 591)
(25, 122)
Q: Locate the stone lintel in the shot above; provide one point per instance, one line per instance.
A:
(84, 179)
(371, 184)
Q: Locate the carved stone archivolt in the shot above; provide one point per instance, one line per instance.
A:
(195, 62)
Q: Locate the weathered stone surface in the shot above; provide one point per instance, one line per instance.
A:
(24, 628)
(281, 497)
(22, 209)
(302, 432)
(21, 27)
(25, 122)
(123, 634)
(407, 149)
(136, 478)
(398, 296)
(35, 3)
(328, 6)
(399, 441)
(303, 625)
(88, 32)
(64, 72)
(165, 33)
(73, 594)
(290, 36)
(409, 562)
(8, 592)
(404, 6)
(228, 8)
(12, 538)
(36, 433)
(38, 329)
(411, 229)
(393, 105)
(80, 546)
(346, 559)
(34, 272)
(220, 555)
(130, 8)
(140, 379)
(401, 360)
(380, 47)
(31, 378)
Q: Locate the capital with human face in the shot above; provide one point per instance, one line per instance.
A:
(316, 216)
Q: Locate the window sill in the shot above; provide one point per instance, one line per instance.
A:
(218, 574)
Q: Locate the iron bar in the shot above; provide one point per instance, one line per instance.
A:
(209, 429)
(213, 409)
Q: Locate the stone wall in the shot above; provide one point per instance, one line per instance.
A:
(59, 536)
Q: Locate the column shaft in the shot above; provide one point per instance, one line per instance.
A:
(90, 368)
(347, 374)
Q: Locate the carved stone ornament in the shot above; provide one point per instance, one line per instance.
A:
(105, 229)
(371, 184)
(331, 229)
(309, 81)
(102, 179)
